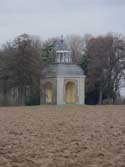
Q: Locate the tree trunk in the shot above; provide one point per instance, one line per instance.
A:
(5, 100)
(21, 96)
(114, 99)
(100, 96)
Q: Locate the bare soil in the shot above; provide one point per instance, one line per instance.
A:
(65, 136)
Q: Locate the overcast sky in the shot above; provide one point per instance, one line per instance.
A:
(48, 18)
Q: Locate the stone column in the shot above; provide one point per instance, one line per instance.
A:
(60, 93)
(81, 90)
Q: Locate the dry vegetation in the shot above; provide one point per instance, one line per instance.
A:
(70, 136)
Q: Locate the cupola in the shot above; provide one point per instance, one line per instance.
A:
(63, 55)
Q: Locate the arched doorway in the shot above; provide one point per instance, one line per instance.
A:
(48, 93)
(70, 90)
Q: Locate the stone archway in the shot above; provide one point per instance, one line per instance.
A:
(70, 92)
(48, 93)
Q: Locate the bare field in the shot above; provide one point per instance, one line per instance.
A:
(65, 136)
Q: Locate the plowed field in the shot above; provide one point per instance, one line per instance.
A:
(65, 136)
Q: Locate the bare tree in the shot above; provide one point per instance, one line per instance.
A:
(76, 45)
(23, 64)
(106, 64)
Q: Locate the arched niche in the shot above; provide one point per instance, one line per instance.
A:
(70, 92)
(48, 93)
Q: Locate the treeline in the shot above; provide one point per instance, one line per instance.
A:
(102, 59)
(21, 62)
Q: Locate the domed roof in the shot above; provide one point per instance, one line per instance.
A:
(54, 70)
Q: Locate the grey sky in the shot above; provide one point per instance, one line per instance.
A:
(48, 18)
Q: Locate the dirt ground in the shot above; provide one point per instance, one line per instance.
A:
(70, 136)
